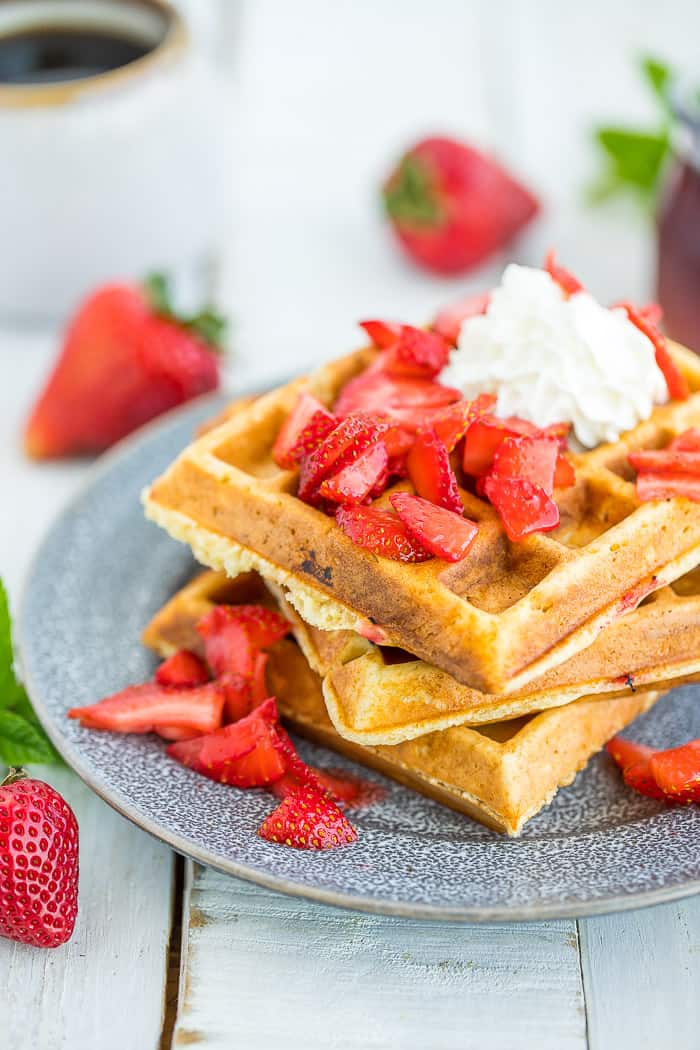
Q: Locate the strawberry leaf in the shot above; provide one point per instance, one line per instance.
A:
(207, 324)
(23, 741)
(658, 77)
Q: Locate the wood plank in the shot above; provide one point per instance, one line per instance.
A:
(263, 970)
(641, 973)
(105, 988)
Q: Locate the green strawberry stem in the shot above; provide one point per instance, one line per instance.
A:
(208, 325)
(409, 196)
(14, 774)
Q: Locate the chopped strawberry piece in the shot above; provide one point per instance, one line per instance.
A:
(651, 313)
(532, 457)
(431, 472)
(140, 708)
(382, 333)
(677, 771)
(560, 431)
(634, 761)
(667, 460)
(308, 819)
(176, 732)
(639, 777)
(445, 534)
(367, 474)
(397, 440)
(227, 645)
(243, 754)
(667, 486)
(566, 281)
(243, 693)
(397, 397)
(448, 321)
(416, 353)
(341, 447)
(183, 668)
(564, 473)
(451, 423)
(523, 507)
(480, 443)
(263, 626)
(676, 382)
(688, 441)
(381, 532)
(306, 426)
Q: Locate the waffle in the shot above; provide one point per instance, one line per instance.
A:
(500, 775)
(497, 620)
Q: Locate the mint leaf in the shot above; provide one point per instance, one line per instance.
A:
(23, 741)
(635, 158)
(10, 689)
(658, 77)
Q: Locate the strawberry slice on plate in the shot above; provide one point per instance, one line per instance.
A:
(445, 534)
(382, 333)
(530, 456)
(431, 472)
(342, 446)
(524, 508)
(448, 321)
(416, 353)
(652, 486)
(366, 475)
(142, 708)
(304, 429)
(634, 761)
(381, 532)
(243, 754)
(677, 772)
(227, 645)
(183, 668)
(308, 819)
(244, 692)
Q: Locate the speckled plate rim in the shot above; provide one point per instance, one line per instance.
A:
(71, 755)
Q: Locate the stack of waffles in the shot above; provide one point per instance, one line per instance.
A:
(486, 683)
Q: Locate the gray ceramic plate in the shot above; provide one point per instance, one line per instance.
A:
(97, 579)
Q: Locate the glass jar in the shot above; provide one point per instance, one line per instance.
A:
(678, 265)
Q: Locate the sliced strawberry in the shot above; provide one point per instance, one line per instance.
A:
(348, 790)
(448, 321)
(263, 626)
(677, 771)
(480, 443)
(304, 429)
(381, 532)
(532, 457)
(397, 440)
(183, 668)
(676, 382)
(431, 472)
(140, 708)
(397, 397)
(566, 281)
(638, 776)
(341, 447)
(451, 423)
(243, 754)
(445, 534)
(382, 333)
(560, 431)
(667, 460)
(626, 752)
(416, 353)
(651, 313)
(688, 441)
(367, 474)
(227, 645)
(564, 473)
(523, 507)
(176, 732)
(243, 693)
(666, 486)
(308, 819)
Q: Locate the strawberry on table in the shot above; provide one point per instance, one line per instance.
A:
(524, 508)
(448, 321)
(445, 534)
(308, 819)
(305, 428)
(431, 472)
(126, 358)
(38, 863)
(451, 207)
(183, 668)
(381, 532)
(142, 708)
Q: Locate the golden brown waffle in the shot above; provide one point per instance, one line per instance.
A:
(500, 775)
(497, 620)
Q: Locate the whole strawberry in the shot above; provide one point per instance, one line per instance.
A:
(38, 863)
(451, 207)
(126, 358)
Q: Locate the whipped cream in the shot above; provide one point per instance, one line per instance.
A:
(551, 359)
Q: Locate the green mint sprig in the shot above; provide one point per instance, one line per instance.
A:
(635, 157)
(22, 740)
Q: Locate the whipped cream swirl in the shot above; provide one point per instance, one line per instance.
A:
(551, 359)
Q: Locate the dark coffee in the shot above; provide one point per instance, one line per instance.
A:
(43, 56)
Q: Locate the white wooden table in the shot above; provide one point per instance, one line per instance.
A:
(166, 953)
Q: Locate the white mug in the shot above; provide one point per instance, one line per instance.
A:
(113, 174)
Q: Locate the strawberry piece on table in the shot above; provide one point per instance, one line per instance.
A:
(431, 472)
(451, 207)
(396, 397)
(183, 668)
(451, 423)
(126, 358)
(448, 321)
(677, 771)
(445, 534)
(304, 429)
(141, 708)
(416, 353)
(342, 446)
(653, 486)
(564, 473)
(676, 382)
(243, 754)
(524, 508)
(38, 863)
(381, 532)
(566, 281)
(528, 456)
(308, 819)
(666, 460)
(382, 334)
(365, 475)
